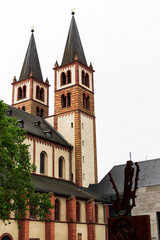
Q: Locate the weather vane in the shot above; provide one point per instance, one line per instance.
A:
(32, 28)
(72, 11)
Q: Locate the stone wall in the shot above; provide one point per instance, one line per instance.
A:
(148, 202)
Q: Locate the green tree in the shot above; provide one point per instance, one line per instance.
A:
(17, 190)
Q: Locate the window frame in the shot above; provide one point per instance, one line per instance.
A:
(63, 101)
(57, 210)
(20, 93)
(37, 92)
(61, 167)
(78, 211)
(42, 162)
(96, 213)
(68, 99)
(85, 78)
(69, 80)
(63, 78)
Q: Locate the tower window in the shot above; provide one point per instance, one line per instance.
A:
(37, 92)
(19, 93)
(68, 76)
(24, 91)
(23, 108)
(41, 113)
(71, 124)
(68, 99)
(42, 162)
(63, 101)
(42, 94)
(87, 102)
(37, 111)
(84, 100)
(77, 211)
(57, 209)
(85, 79)
(63, 78)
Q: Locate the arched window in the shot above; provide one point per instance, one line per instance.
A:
(68, 99)
(37, 111)
(87, 102)
(23, 108)
(42, 162)
(68, 76)
(83, 77)
(63, 78)
(77, 211)
(61, 167)
(57, 209)
(37, 92)
(96, 213)
(24, 91)
(84, 100)
(32, 212)
(6, 238)
(42, 94)
(41, 113)
(63, 101)
(87, 80)
(19, 93)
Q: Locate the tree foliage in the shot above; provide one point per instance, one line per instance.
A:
(17, 190)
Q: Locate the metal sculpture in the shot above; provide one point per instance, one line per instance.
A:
(129, 193)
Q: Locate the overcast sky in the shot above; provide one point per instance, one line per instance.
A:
(121, 38)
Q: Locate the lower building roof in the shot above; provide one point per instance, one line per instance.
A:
(63, 188)
(149, 175)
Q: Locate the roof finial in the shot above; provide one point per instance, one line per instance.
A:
(32, 29)
(72, 11)
(130, 156)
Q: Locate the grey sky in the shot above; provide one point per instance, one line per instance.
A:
(121, 38)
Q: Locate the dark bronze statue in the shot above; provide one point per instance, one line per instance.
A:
(129, 193)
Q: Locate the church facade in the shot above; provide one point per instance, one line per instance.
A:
(62, 146)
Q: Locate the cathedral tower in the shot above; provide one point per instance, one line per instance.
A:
(74, 107)
(30, 92)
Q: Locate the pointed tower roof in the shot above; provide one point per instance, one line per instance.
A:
(73, 48)
(31, 61)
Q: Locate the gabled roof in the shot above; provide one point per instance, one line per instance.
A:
(62, 188)
(31, 62)
(149, 175)
(73, 45)
(38, 126)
